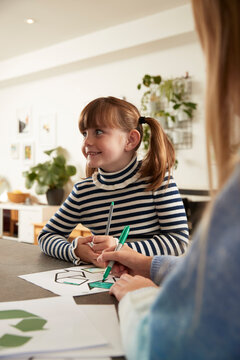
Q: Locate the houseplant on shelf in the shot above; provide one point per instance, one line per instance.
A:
(167, 101)
(50, 176)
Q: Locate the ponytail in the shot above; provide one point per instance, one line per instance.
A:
(160, 156)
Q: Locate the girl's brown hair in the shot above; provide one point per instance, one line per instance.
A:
(118, 113)
(218, 26)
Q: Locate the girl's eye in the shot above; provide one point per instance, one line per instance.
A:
(84, 134)
(99, 132)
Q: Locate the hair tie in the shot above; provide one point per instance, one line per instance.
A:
(142, 120)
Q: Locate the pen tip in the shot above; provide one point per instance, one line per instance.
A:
(112, 203)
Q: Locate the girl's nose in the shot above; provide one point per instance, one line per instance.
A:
(88, 139)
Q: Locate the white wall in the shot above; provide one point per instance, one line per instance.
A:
(65, 88)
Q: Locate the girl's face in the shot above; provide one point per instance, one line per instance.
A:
(106, 148)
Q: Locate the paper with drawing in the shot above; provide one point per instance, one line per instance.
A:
(45, 325)
(75, 281)
(104, 318)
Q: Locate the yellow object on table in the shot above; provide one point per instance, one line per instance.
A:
(17, 197)
(79, 230)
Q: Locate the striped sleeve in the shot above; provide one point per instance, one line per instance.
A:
(173, 236)
(53, 239)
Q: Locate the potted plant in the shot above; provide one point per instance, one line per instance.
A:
(167, 101)
(50, 176)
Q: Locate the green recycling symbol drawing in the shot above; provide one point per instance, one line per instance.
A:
(29, 322)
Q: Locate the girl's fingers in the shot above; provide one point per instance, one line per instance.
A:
(84, 240)
(103, 238)
(99, 247)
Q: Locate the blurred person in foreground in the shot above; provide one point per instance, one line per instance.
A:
(195, 314)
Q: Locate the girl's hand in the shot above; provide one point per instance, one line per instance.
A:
(127, 261)
(85, 251)
(102, 242)
(129, 283)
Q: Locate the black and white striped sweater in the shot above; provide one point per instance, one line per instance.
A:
(157, 219)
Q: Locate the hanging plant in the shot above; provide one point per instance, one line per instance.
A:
(167, 101)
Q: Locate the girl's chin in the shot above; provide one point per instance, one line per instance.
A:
(93, 164)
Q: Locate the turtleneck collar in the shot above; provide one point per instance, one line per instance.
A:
(119, 179)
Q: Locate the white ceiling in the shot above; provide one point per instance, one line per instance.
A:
(60, 20)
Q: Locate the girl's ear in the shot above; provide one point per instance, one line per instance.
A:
(133, 140)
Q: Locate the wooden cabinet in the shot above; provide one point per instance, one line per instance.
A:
(21, 219)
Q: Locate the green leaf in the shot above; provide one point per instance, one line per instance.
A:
(41, 189)
(188, 112)
(177, 96)
(48, 152)
(190, 104)
(71, 170)
(59, 160)
(147, 80)
(157, 79)
(176, 106)
(29, 183)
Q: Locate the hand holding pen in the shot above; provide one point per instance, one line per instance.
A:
(122, 239)
(89, 248)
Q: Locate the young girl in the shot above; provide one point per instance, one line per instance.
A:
(144, 193)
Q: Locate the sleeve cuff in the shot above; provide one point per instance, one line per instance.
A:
(134, 311)
(162, 266)
(141, 299)
(74, 258)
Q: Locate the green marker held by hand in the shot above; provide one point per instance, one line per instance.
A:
(122, 239)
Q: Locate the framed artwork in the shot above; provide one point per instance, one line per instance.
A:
(24, 121)
(28, 153)
(47, 131)
(14, 150)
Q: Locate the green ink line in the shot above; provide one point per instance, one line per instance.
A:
(100, 284)
(71, 283)
(9, 340)
(94, 270)
(15, 314)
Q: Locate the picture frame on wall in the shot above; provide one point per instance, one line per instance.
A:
(47, 131)
(28, 153)
(24, 121)
(14, 150)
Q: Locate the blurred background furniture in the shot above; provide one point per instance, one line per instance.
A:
(16, 220)
(194, 202)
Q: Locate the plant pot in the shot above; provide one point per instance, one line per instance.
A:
(55, 196)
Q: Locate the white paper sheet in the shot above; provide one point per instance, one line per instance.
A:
(61, 325)
(104, 318)
(74, 281)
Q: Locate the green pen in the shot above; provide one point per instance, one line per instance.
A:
(122, 239)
